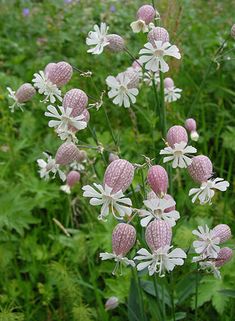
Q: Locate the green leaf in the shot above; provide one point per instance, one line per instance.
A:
(229, 293)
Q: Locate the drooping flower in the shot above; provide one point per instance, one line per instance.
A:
(153, 55)
(59, 73)
(115, 43)
(213, 265)
(170, 91)
(201, 171)
(46, 87)
(157, 209)
(117, 178)
(123, 239)
(72, 178)
(49, 166)
(63, 121)
(98, 39)
(120, 92)
(67, 153)
(191, 126)
(178, 152)
(157, 178)
(24, 93)
(158, 237)
(145, 15)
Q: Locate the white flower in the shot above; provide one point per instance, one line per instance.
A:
(46, 87)
(206, 191)
(138, 26)
(178, 154)
(120, 92)
(64, 121)
(209, 266)
(172, 94)
(16, 104)
(49, 166)
(153, 56)
(157, 207)
(161, 260)
(114, 202)
(206, 245)
(117, 258)
(149, 76)
(65, 188)
(76, 166)
(97, 39)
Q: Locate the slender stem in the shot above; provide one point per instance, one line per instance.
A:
(162, 105)
(157, 295)
(110, 126)
(172, 296)
(153, 4)
(141, 301)
(196, 292)
(163, 303)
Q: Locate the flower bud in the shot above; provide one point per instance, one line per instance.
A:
(191, 126)
(233, 31)
(77, 100)
(112, 157)
(72, 178)
(146, 13)
(111, 303)
(116, 43)
(60, 73)
(176, 135)
(222, 231)
(201, 169)
(119, 175)
(158, 179)
(66, 154)
(224, 256)
(158, 34)
(168, 82)
(81, 156)
(158, 234)
(123, 238)
(24, 93)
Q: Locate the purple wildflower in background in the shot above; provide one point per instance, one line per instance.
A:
(25, 12)
(112, 8)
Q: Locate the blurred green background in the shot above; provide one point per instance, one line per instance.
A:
(46, 275)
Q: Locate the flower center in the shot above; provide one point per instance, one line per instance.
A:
(159, 52)
(178, 153)
(123, 88)
(158, 212)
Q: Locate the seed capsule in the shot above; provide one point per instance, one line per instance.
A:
(123, 238)
(158, 234)
(77, 100)
(176, 135)
(224, 256)
(24, 93)
(66, 154)
(201, 169)
(116, 43)
(158, 34)
(222, 231)
(158, 179)
(111, 303)
(119, 175)
(60, 73)
(146, 13)
(81, 156)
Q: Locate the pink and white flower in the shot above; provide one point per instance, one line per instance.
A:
(98, 39)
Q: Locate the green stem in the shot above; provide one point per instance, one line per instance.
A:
(162, 106)
(157, 295)
(141, 300)
(196, 293)
(163, 303)
(110, 126)
(172, 296)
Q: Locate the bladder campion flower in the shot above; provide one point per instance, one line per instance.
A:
(123, 239)
(157, 178)
(158, 237)
(49, 166)
(171, 92)
(115, 43)
(120, 92)
(98, 39)
(24, 93)
(72, 179)
(145, 15)
(201, 171)
(153, 55)
(158, 34)
(178, 152)
(117, 178)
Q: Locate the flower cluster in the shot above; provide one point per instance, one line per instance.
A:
(210, 256)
